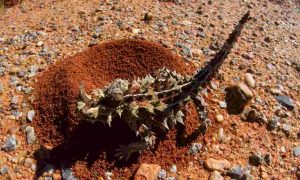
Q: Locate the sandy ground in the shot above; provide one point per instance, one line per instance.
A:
(35, 33)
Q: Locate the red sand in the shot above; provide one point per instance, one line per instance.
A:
(90, 148)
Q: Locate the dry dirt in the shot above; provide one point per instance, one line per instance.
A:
(39, 46)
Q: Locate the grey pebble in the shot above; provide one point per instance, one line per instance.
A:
(67, 174)
(273, 124)
(296, 151)
(195, 148)
(223, 104)
(173, 168)
(10, 144)
(30, 115)
(285, 101)
(30, 135)
(162, 174)
(236, 172)
(4, 169)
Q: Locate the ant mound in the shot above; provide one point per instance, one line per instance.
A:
(89, 148)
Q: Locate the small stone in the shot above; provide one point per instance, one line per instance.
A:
(249, 80)
(296, 151)
(162, 174)
(56, 176)
(219, 117)
(223, 104)
(259, 159)
(10, 144)
(108, 175)
(173, 169)
(67, 174)
(28, 162)
(1, 88)
(216, 175)
(219, 165)
(248, 56)
(30, 135)
(275, 91)
(256, 159)
(49, 168)
(247, 177)
(135, 31)
(195, 148)
(186, 23)
(285, 101)
(273, 124)
(171, 178)
(286, 128)
(236, 172)
(30, 115)
(196, 52)
(4, 169)
(14, 100)
(245, 90)
(147, 172)
(40, 43)
(148, 17)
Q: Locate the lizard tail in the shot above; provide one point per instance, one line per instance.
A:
(209, 70)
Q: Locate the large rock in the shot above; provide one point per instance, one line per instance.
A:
(219, 165)
(147, 172)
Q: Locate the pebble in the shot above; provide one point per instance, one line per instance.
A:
(286, 101)
(296, 151)
(1, 88)
(275, 91)
(4, 169)
(245, 90)
(28, 162)
(223, 104)
(67, 174)
(195, 148)
(247, 177)
(162, 174)
(30, 115)
(216, 175)
(30, 135)
(219, 117)
(56, 176)
(273, 124)
(40, 43)
(147, 171)
(14, 100)
(186, 23)
(236, 172)
(221, 136)
(219, 165)
(259, 159)
(148, 17)
(249, 80)
(49, 168)
(10, 144)
(135, 31)
(173, 168)
(108, 175)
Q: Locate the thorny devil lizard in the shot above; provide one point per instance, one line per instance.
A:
(153, 104)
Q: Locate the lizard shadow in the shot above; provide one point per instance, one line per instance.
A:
(88, 143)
(92, 142)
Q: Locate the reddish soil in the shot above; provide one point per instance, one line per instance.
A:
(90, 148)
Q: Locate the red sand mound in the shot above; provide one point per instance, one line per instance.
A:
(90, 148)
